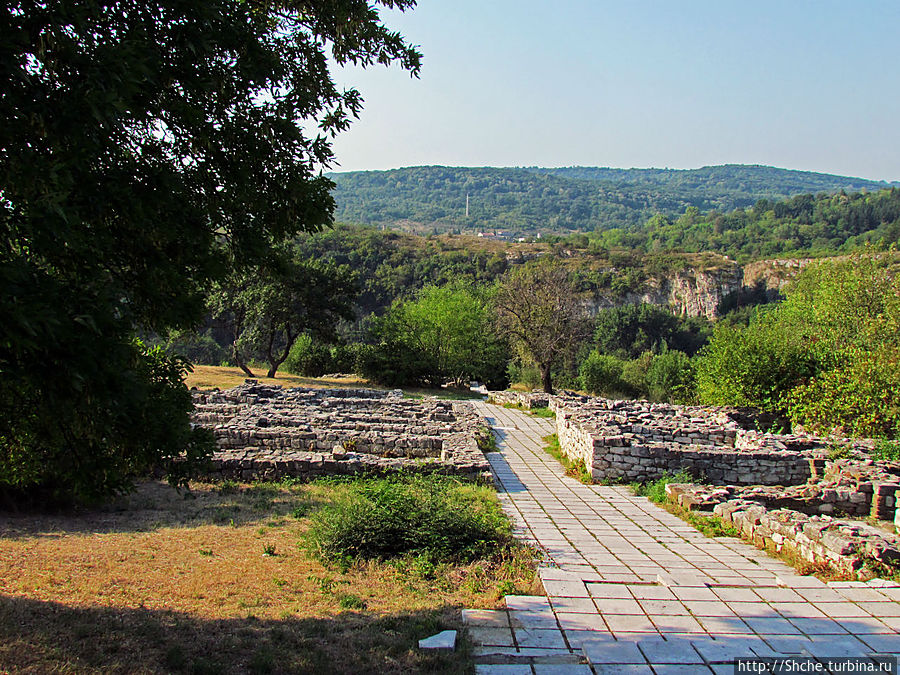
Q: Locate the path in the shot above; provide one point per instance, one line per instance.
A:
(633, 589)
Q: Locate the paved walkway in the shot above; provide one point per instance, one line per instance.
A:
(633, 589)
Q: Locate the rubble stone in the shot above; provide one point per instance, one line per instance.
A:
(267, 432)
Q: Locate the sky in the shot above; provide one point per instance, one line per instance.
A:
(799, 84)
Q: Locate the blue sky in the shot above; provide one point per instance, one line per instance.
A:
(637, 83)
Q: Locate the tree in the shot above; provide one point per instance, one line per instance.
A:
(145, 147)
(829, 355)
(541, 312)
(755, 366)
(268, 309)
(443, 334)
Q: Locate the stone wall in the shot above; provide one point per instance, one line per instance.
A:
(824, 496)
(855, 548)
(641, 441)
(267, 432)
(523, 399)
(782, 491)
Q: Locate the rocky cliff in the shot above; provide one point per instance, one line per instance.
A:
(703, 291)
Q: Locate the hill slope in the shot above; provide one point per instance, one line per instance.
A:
(530, 200)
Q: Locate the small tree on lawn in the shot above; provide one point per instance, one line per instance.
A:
(540, 310)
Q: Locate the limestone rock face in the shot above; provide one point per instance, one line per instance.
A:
(696, 291)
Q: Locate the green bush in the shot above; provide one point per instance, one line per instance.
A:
(670, 378)
(862, 396)
(828, 355)
(440, 518)
(197, 348)
(630, 330)
(308, 358)
(655, 490)
(756, 366)
(526, 374)
(634, 375)
(392, 364)
(602, 374)
(346, 358)
(443, 334)
(887, 450)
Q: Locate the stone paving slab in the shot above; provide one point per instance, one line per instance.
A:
(632, 589)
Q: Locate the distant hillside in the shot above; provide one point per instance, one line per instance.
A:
(430, 199)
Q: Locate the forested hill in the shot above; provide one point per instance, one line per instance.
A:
(432, 199)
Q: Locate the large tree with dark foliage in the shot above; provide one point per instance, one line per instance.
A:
(145, 149)
(266, 310)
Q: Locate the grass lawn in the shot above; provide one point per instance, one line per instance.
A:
(208, 377)
(213, 581)
(223, 377)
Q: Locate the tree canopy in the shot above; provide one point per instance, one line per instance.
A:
(829, 355)
(530, 200)
(146, 149)
(266, 310)
(443, 334)
(542, 314)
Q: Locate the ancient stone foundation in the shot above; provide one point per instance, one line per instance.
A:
(854, 548)
(641, 441)
(265, 432)
(526, 400)
(784, 491)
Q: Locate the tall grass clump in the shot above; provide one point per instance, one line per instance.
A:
(438, 518)
(655, 490)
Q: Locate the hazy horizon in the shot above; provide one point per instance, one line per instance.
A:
(809, 86)
(615, 168)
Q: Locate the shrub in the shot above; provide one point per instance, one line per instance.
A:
(346, 358)
(671, 378)
(634, 375)
(755, 366)
(862, 396)
(630, 330)
(655, 490)
(828, 354)
(887, 450)
(392, 364)
(602, 374)
(308, 358)
(442, 334)
(437, 517)
(197, 348)
(526, 374)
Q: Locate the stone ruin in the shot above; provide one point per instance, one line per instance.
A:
(781, 490)
(266, 432)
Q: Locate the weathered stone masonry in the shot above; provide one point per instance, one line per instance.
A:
(851, 547)
(782, 491)
(267, 432)
(641, 441)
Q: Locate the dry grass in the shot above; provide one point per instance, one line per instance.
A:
(223, 377)
(169, 582)
(209, 377)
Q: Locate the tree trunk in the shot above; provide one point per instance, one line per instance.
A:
(276, 361)
(236, 355)
(546, 380)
